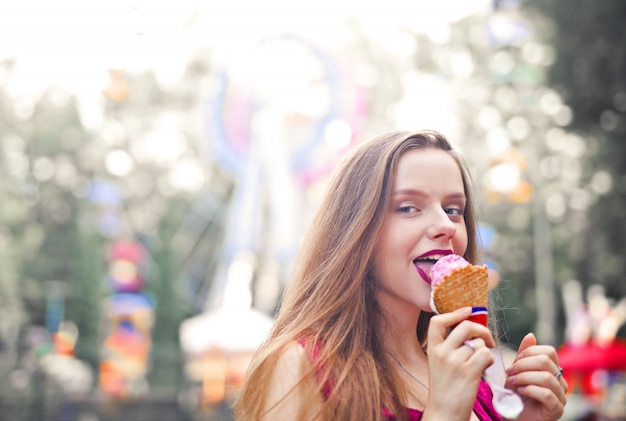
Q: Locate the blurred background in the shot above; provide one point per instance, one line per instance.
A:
(160, 160)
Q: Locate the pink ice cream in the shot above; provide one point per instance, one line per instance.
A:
(444, 266)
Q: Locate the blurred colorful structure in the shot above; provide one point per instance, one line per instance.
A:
(219, 345)
(594, 357)
(129, 319)
(278, 130)
(55, 347)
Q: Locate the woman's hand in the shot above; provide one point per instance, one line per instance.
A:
(458, 353)
(535, 375)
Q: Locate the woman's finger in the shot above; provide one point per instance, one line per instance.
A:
(544, 400)
(536, 350)
(470, 330)
(539, 358)
(479, 354)
(541, 379)
(442, 323)
(535, 361)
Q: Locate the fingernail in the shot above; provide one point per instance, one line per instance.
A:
(509, 370)
(512, 379)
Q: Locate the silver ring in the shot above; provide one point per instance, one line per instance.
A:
(559, 373)
(470, 344)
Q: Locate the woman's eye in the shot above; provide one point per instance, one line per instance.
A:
(455, 211)
(407, 209)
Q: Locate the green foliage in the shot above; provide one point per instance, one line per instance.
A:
(47, 161)
(85, 293)
(164, 284)
(588, 72)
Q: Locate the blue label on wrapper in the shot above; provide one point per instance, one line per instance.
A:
(479, 310)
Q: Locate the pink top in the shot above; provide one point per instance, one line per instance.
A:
(483, 407)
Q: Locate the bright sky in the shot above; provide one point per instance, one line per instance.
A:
(73, 42)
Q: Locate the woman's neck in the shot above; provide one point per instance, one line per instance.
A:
(400, 337)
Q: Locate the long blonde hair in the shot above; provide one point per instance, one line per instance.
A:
(330, 302)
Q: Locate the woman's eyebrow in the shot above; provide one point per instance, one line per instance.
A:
(409, 192)
(459, 195)
(416, 192)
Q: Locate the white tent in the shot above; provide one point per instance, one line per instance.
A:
(231, 331)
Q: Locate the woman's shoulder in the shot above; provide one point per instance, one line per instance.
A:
(293, 360)
(291, 364)
(290, 390)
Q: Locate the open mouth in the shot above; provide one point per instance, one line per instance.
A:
(425, 263)
(424, 267)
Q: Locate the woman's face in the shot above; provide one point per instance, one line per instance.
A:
(424, 222)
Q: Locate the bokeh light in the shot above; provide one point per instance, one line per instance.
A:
(205, 133)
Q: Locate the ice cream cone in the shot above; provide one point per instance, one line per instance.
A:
(466, 286)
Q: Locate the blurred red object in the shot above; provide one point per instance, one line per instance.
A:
(591, 357)
(588, 367)
(126, 268)
(127, 250)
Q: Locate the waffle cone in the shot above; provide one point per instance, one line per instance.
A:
(467, 286)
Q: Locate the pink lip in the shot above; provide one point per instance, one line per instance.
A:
(421, 272)
(431, 252)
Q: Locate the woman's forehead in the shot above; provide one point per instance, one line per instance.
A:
(424, 168)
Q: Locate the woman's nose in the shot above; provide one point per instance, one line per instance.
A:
(441, 226)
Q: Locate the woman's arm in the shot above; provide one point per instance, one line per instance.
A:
(289, 396)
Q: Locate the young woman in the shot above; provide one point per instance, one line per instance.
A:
(355, 338)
